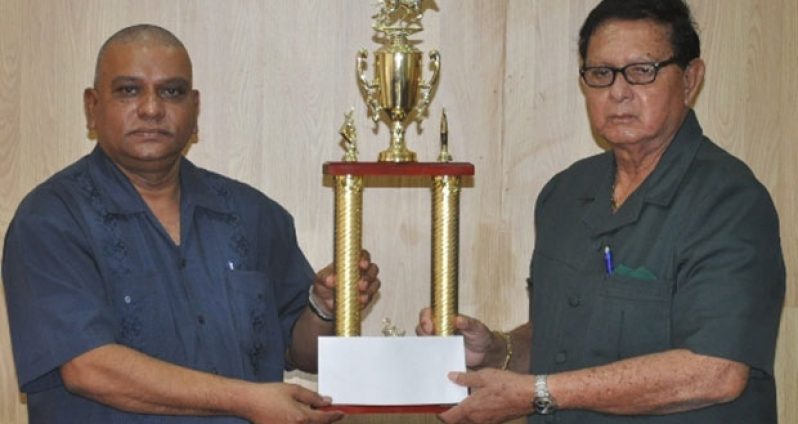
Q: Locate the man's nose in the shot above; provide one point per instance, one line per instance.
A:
(151, 105)
(620, 88)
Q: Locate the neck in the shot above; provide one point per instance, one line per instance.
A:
(633, 165)
(160, 190)
(156, 185)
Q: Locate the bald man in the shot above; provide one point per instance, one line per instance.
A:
(142, 288)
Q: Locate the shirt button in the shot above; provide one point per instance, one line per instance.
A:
(201, 319)
(561, 357)
(574, 301)
(127, 299)
(182, 263)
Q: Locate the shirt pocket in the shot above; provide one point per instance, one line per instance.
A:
(255, 318)
(631, 317)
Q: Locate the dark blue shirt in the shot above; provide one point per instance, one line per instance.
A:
(697, 265)
(87, 264)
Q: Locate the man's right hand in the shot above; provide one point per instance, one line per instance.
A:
(289, 403)
(477, 336)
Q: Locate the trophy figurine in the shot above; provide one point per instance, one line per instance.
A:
(348, 132)
(398, 88)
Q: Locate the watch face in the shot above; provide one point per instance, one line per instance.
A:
(543, 405)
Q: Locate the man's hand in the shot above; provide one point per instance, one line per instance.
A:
(289, 403)
(368, 285)
(496, 396)
(478, 338)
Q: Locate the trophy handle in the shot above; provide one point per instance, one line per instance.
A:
(366, 86)
(426, 89)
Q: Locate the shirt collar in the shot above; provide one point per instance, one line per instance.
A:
(196, 189)
(122, 197)
(661, 185)
(204, 189)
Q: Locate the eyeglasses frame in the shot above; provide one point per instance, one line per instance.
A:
(622, 70)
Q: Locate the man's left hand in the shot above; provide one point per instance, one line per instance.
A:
(367, 286)
(496, 396)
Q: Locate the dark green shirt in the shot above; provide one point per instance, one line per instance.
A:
(697, 264)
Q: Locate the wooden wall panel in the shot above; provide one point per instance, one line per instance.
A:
(276, 78)
(11, 45)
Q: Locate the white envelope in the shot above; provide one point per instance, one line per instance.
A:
(391, 370)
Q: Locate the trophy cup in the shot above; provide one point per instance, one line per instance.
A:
(398, 88)
(399, 91)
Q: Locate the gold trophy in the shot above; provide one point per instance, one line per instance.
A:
(398, 88)
(400, 92)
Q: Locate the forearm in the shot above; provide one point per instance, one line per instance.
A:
(304, 340)
(522, 342)
(134, 382)
(662, 383)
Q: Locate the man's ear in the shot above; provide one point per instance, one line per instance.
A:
(90, 100)
(693, 77)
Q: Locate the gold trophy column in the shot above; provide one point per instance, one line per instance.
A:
(348, 241)
(445, 242)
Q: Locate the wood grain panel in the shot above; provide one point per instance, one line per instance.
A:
(11, 50)
(276, 78)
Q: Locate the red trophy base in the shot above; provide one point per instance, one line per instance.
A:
(398, 169)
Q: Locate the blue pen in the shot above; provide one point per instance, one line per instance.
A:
(608, 260)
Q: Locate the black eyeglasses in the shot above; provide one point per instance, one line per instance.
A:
(633, 73)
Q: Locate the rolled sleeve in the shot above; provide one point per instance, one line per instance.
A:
(50, 279)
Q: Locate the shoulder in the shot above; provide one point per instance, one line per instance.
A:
(716, 175)
(713, 162)
(57, 191)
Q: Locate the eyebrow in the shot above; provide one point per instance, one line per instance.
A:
(124, 79)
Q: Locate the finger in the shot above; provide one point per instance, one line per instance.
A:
(310, 398)
(370, 272)
(425, 325)
(367, 295)
(365, 257)
(369, 287)
(464, 323)
(326, 276)
(324, 417)
(453, 415)
(468, 379)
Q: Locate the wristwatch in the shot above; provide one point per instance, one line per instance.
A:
(543, 402)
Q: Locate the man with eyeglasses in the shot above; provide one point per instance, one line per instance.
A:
(657, 278)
